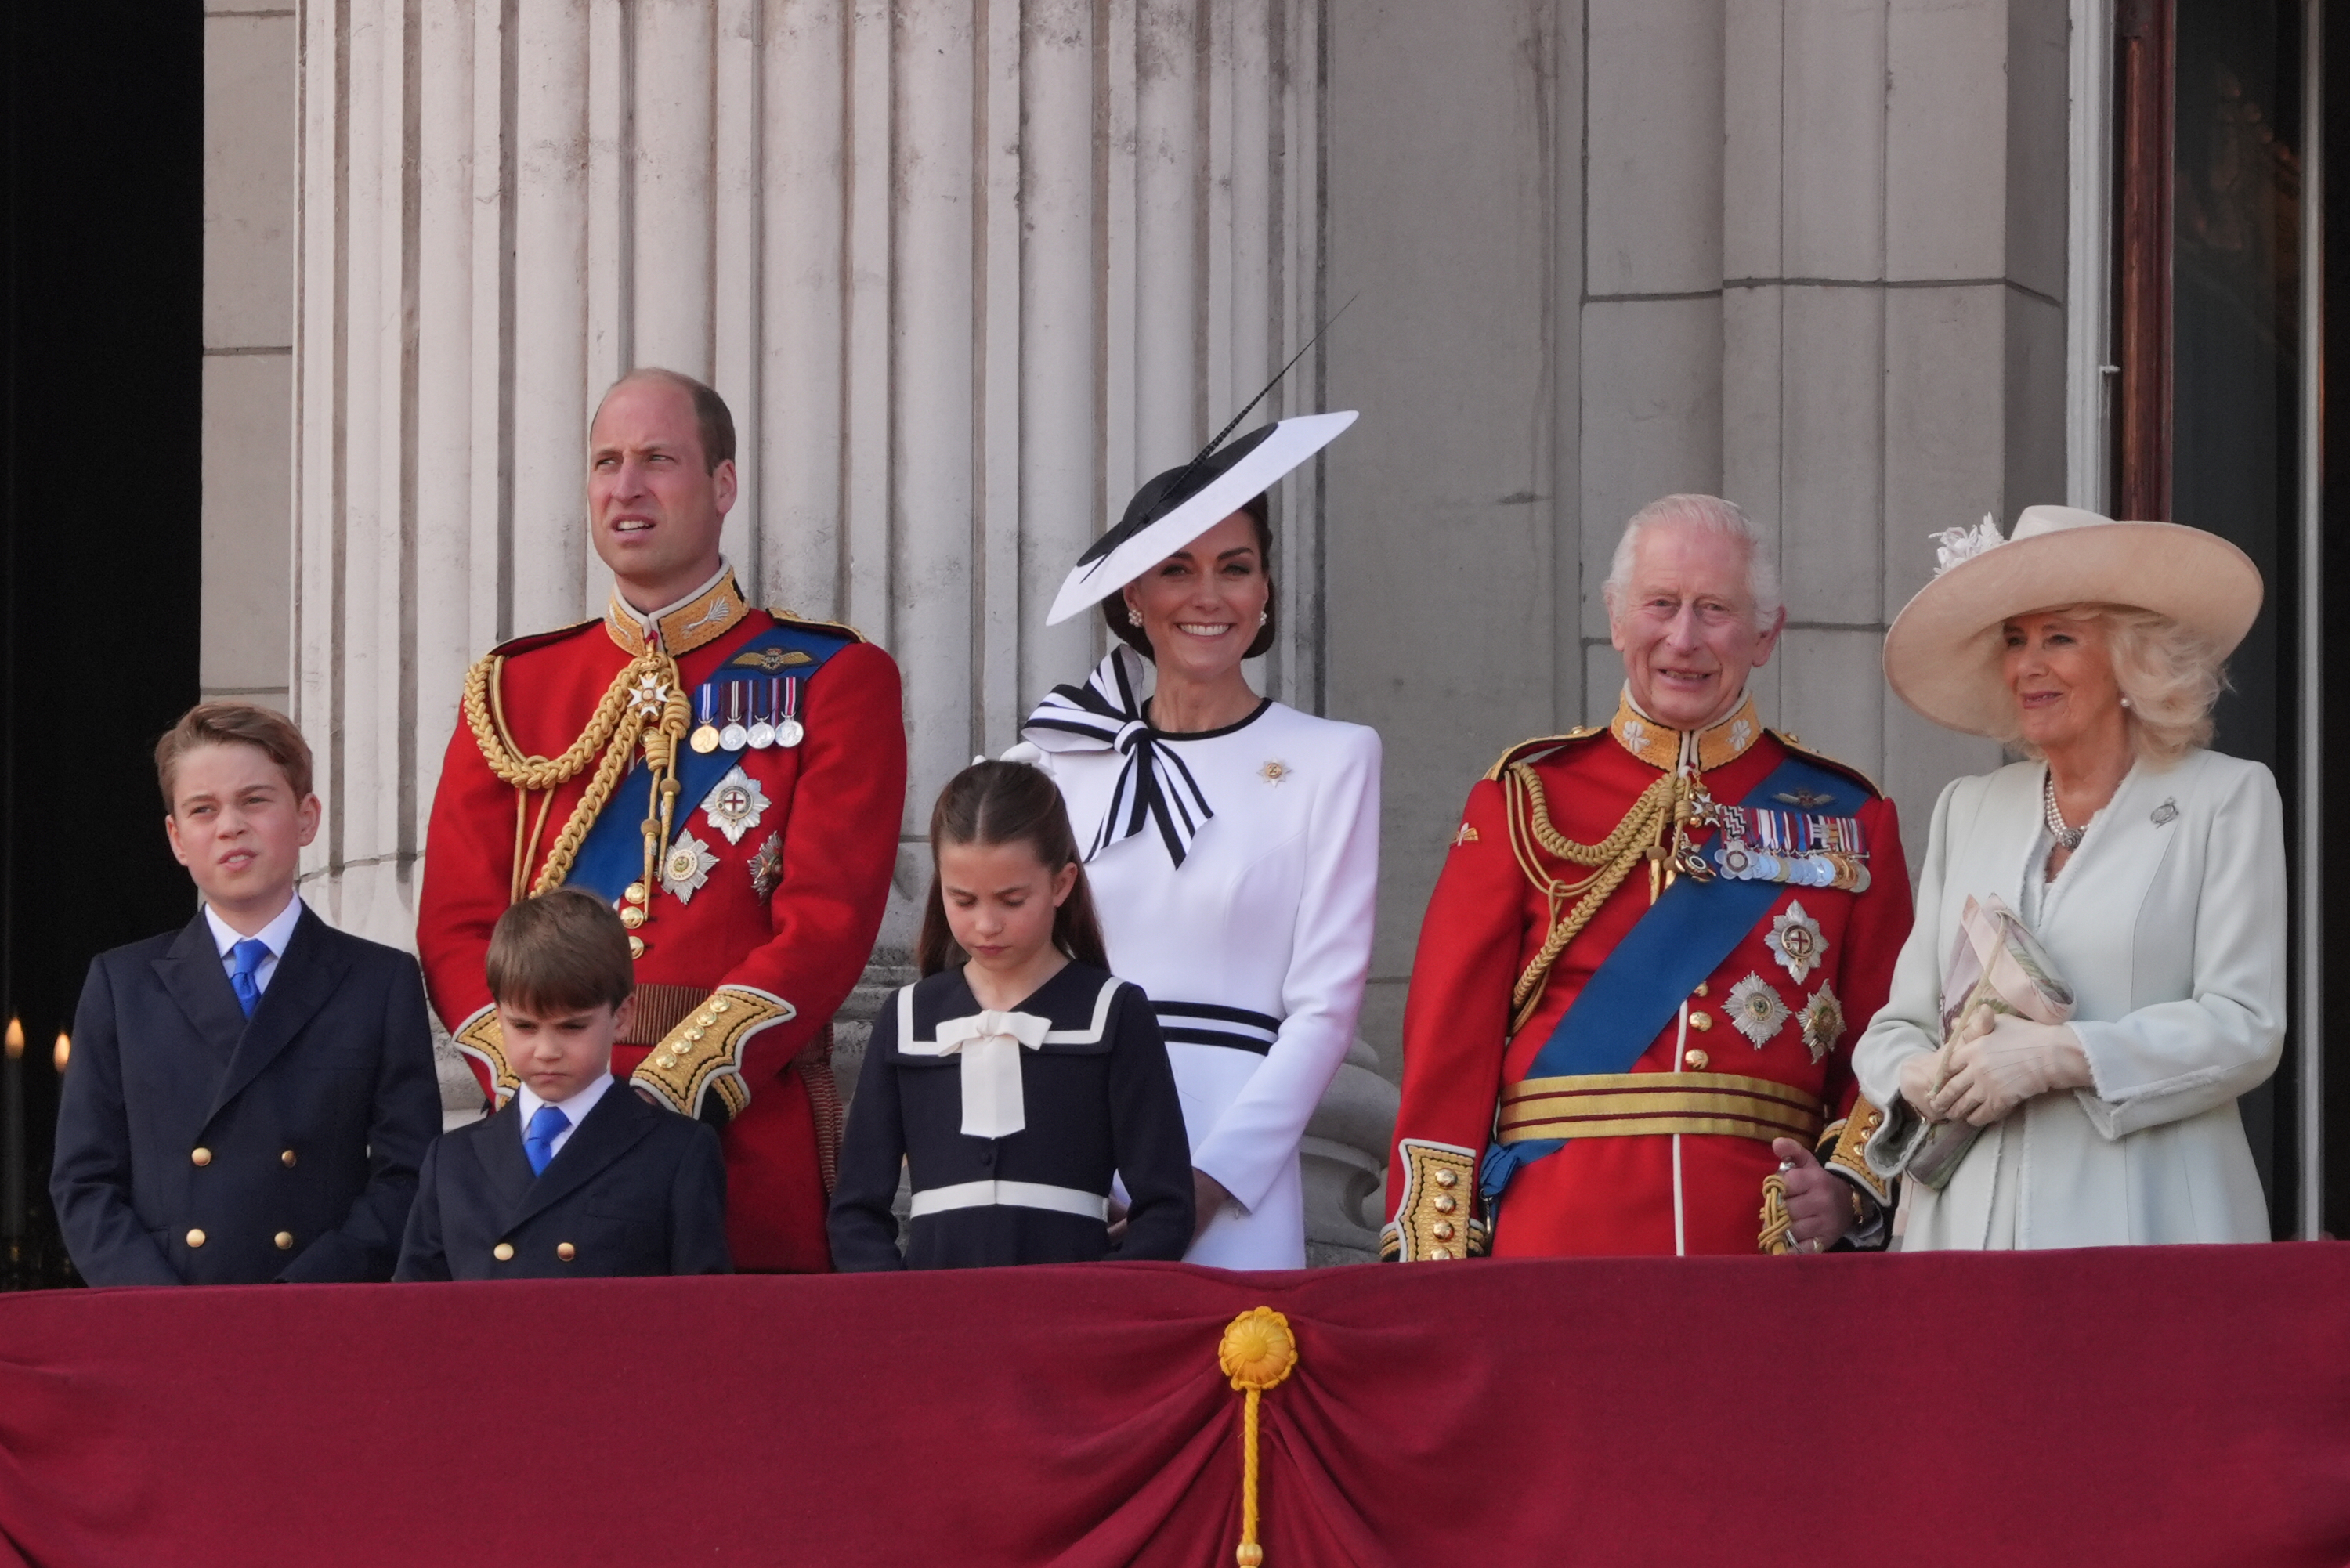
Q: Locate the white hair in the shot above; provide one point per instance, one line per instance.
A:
(1711, 512)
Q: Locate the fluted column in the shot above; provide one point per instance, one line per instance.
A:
(966, 271)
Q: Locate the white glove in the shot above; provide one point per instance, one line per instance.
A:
(1992, 1073)
(1920, 1073)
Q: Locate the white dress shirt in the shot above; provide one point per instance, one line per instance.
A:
(577, 1107)
(276, 934)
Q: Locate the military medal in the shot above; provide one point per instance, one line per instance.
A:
(735, 804)
(686, 868)
(767, 866)
(705, 734)
(733, 737)
(1796, 938)
(1822, 1022)
(1755, 1010)
(763, 731)
(788, 732)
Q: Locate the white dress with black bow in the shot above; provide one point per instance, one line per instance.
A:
(1236, 871)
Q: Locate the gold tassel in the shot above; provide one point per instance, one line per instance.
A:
(1778, 1226)
(1258, 1351)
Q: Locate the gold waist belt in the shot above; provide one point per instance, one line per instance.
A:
(1649, 1105)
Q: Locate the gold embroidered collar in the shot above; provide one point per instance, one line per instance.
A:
(702, 617)
(1659, 745)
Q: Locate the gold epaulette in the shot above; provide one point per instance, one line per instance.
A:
(1830, 763)
(1525, 751)
(840, 627)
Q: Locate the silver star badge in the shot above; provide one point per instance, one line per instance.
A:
(686, 866)
(1755, 1010)
(1796, 938)
(735, 804)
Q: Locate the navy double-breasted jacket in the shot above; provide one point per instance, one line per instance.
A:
(635, 1189)
(196, 1146)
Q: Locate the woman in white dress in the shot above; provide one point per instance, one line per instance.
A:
(1232, 841)
(2150, 870)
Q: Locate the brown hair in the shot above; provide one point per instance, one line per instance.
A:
(710, 411)
(561, 951)
(1008, 803)
(234, 724)
(1113, 608)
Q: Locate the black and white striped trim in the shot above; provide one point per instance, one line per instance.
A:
(1155, 786)
(1206, 1023)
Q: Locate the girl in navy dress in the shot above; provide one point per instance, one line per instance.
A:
(1018, 1076)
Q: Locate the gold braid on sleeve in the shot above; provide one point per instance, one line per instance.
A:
(1611, 860)
(703, 1055)
(610, 738)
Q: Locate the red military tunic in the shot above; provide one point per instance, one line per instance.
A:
(1610, 1189)
(738, 978)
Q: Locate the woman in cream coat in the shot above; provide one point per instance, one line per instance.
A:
(2151, 869)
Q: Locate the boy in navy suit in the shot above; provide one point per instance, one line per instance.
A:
(577, 1174)
(251, 1094)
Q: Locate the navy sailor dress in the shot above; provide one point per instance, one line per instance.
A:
(1095, 1100)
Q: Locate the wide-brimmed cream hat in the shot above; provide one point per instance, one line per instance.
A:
(1942, 653)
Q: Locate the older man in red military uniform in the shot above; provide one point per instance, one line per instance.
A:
(731, 778)
(1650, 952)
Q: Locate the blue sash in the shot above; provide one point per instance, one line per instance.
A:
(1638, 988)
(612, 855)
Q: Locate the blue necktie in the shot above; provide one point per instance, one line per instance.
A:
(241, 979)
(546, 1125)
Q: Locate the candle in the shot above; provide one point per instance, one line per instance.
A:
(12, 1156)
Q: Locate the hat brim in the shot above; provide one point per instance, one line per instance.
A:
(1291, 443)
(1942, 652)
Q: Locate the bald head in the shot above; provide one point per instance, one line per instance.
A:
(713, 422)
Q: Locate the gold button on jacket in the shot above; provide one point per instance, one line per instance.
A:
(201, 1156)
(284, 1241)
(503, 1251)
(566, 1252)
(195, 1237)
(286, 1158)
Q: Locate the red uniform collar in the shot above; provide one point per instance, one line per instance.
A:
(699, 618)
(1660, 745)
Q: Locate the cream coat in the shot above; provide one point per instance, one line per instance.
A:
(2171, 930)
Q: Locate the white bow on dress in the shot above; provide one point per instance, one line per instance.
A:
(989, 1043)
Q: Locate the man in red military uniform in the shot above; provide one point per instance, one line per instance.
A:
(732, 778)
(1650, 952)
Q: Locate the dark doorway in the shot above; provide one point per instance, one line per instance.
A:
(102, 148)
(2209, 341)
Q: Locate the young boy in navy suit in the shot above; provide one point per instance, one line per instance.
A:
(250, 1096)
(577, 1174)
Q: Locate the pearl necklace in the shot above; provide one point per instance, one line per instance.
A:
(2069, 837)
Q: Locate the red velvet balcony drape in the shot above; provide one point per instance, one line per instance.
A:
(2164, 1406)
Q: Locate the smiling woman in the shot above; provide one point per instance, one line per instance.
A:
(1232, 840)
(2147, 868)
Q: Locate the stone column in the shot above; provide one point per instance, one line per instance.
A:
(965, 270)
(1893, 326)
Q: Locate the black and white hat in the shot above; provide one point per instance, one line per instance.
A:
(1179, 505)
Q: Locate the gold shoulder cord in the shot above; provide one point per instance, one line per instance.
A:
(1666, 808)
(614, 730)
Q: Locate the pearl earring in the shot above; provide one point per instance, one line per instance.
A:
(1133, 615)
(2126, 702)
(1262, 616)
